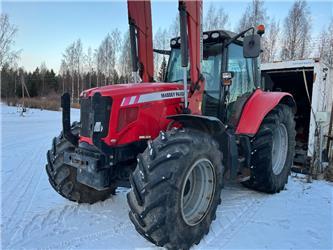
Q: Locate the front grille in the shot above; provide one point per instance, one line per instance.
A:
(92, 112)
(86, 117)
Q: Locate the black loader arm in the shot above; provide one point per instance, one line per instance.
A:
(66, 119)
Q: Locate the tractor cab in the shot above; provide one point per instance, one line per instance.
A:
(244, 71)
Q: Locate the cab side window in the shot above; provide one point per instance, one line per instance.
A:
(243, 80)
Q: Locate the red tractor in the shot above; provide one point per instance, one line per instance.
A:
(175, 142)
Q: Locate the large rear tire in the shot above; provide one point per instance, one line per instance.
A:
(62, 177)
(176, 188)
(273, 150)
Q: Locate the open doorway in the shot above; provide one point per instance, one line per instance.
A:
(292, 81)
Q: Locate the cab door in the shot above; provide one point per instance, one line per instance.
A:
(242, 83)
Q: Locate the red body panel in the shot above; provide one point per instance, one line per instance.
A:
(139, 12)
(193, 9)
(255, 110)
(155, 101)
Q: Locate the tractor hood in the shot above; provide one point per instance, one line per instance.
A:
(138, 111)
(132, 89)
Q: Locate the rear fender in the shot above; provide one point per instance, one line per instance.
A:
(258, 106)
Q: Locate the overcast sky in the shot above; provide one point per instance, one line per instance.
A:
(46, 28)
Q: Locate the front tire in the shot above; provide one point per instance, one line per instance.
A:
(273, 150)
(62, 177)
(176, 188)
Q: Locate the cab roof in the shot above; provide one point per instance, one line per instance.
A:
(213, 36)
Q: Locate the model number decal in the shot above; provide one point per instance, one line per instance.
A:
(157, 96)
(172, 94)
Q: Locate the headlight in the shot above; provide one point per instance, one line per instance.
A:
(215, 35)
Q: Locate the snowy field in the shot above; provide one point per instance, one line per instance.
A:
(35, 216)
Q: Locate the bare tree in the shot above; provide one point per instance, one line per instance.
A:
(161, 41)
(63, 72)
(254, 15)
(326, 45)
(78, 62)
(7, 34)
(215, 18)
(42, 70)
(270, 41)
(89, 64)
(174, 29)
(107, 53)
(125, 58)
(296, 32)
(69, 58)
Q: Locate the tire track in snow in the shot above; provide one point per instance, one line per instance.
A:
(52, 221)
(68, 220)
(23, 141)
(77, 242)
(23, 195)
(238, 206)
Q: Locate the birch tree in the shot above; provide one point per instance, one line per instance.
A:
(174, 29)
(42, 70)
(125, 65)
(69, 59)
(78, 51)
(7, 34)
(271, 41)
(215, 18)
(161, 41)
(296, 32)
(107, 53)
(63, 72)
(89, 64)
(326, 45)
(254, 14)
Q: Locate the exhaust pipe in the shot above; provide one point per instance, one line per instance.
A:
(184, 48)
(66, 119)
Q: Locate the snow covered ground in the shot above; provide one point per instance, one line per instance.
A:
(35, 216)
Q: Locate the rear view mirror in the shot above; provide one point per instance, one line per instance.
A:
(251, 46)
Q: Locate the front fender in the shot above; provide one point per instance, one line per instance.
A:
(209, 124)
(258, 106)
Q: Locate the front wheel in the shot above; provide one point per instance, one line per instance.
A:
(273, 150)
(176, 188)
(62, 177)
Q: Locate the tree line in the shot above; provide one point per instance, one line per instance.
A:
(109, 63)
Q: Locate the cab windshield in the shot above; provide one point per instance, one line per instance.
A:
(211, 67)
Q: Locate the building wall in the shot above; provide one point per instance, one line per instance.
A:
(322, 97)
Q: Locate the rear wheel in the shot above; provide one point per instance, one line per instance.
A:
(273, 150)
(62, 177)
(176, 188)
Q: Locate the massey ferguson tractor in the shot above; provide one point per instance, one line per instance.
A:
(175, 142)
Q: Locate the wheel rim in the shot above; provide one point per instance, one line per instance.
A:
(279, 148)
(198, 192)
